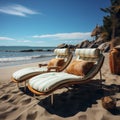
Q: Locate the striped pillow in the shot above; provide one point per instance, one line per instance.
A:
(88, 54)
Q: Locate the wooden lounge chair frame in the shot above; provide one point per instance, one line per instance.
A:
(93, 72)
(53, 69)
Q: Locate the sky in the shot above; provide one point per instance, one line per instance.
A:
(49, 22)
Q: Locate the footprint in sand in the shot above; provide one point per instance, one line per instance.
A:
(5, 113)
(82, 117)
(21, 117)
(26, 101)
(4, 107)
(32, 116)
(12, 99)
(5, 97)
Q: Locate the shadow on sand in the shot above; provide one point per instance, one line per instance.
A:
(78, 99)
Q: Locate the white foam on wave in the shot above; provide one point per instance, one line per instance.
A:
(12, 59)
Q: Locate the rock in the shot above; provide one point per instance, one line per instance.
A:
(62, 45)
(100, 40)
(71, 46)
(93, 45)
(79, 45)
(104, 47)
(107, 48)
(108, 103)
(83, 44)
(30, 50)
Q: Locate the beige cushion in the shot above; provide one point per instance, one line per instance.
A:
(56, 62)
(80, 68)
(61, 52)
(48, 81)
(25, 73)
(88, 54)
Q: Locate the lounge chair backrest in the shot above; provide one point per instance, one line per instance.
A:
(62, 53)
(87, 54)
(92, 55)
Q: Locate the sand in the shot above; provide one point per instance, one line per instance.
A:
(82, 102)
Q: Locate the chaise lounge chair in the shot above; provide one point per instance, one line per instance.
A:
(87, 64)
(58, 64)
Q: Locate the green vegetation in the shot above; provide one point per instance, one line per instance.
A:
(111, 22)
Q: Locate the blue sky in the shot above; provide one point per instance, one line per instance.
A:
(48, 22)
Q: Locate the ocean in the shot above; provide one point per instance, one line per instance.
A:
(17, 55)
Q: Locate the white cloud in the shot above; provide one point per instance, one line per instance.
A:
(18, 10)
(6, 38)
(12, 39)
(63, 36)
(24, 41)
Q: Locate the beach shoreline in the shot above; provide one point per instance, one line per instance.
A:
(83, 103)
(12, 55)
(7, 71)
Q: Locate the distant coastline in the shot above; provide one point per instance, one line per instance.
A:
(25, 48)
(16, 55)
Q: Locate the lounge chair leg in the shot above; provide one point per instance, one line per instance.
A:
(52, 99)
(34, 95)
(101, 79)
(25, 87)
(100, 75)
(17, 85)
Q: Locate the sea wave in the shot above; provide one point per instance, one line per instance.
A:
(12, 59)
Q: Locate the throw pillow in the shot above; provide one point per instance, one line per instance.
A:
(56, 62)
(80, 68)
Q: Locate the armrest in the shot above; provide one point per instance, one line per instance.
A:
(56, 68)
(40, 65)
